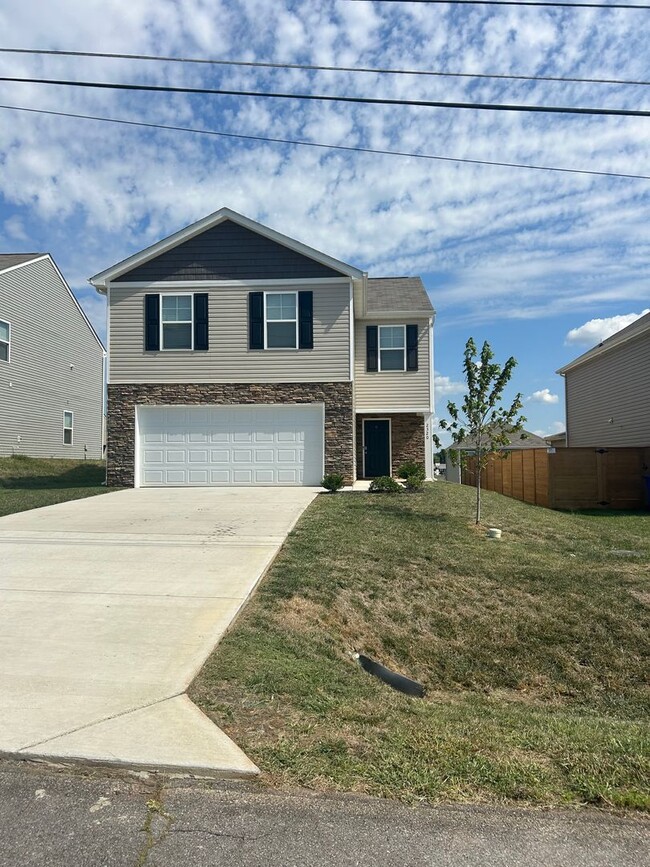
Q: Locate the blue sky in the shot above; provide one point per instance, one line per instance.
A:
(541, 264)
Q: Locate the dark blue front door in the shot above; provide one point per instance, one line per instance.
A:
(376, 445)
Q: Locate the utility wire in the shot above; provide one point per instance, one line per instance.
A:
(420, 103)
(355, 149)
(514, 3)
(314, 68)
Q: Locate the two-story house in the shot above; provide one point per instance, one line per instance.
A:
(51, 364)
(239, 356)
(606, 391)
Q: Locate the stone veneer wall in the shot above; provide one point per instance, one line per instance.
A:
(122, 400)
(407, 438)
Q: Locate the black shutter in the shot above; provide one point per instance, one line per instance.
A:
(305, 320)
(256, 320)
(152, 323)
(372, 355)
(201, 321)
(411, 347)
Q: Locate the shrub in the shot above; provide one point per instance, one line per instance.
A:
(415, 481)
(333, 481)
(410, 468)
(384, 485)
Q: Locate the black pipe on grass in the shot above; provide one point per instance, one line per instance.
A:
(392, 678)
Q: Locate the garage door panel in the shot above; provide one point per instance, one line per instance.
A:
(198, 456)
(261, 445)
(264, 456)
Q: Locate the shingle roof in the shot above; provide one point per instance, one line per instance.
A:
(532, 441)
(8, 260)
(394, 294)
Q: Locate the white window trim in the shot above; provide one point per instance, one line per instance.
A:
(184, 322)
(8, 342)
(280, 348)
(392, 370)
(71, 428)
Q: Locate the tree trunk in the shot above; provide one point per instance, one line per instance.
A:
(479, 460)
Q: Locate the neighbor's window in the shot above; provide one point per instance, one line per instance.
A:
(281, 320)
(392, 342)
(176, 322)
(68, 419)
(5, 340)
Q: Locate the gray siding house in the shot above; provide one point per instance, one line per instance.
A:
(607, 391)
(239, 356)
(51, 364)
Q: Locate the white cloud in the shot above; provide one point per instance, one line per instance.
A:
(14, 228)
(597, 330)
(444, 385)
(504, 243)
(556, 428)
(544, 395)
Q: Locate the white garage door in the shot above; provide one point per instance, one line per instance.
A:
(230, 445)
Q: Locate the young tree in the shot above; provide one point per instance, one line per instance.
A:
(482, 422)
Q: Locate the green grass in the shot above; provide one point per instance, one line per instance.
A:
(28, 483)
(533, 650)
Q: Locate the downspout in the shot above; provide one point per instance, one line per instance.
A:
(428, 420)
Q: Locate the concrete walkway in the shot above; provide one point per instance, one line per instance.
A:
(108, 608)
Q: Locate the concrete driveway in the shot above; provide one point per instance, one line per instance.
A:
(108, 608)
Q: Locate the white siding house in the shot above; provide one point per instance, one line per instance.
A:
(51, 364)
(240, 356)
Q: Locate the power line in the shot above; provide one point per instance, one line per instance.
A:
(355, 149)
(314, 68)
(365, 100)
(514, 3)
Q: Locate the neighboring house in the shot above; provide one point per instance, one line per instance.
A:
(51, 364)
(239, 356)
(556, 441)
(606, 391)
(522, 439)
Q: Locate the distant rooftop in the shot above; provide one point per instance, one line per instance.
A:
(530, 441)
(8, 260)
(392, 294)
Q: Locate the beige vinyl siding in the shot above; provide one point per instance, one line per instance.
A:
(48, 335)
(229, 359)
(392, 390)
(614, 385)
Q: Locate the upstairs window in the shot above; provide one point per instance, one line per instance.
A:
(392, 347)
(281, 309)
(5, 340)
(68, 426)
(176, 324)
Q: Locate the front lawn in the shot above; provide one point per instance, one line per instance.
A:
(27, 483)
(533, 649)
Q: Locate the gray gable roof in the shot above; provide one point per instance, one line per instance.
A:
(8, 260)
(393, 294)
(532, 441)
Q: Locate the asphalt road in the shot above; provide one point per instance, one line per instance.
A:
(54, 817)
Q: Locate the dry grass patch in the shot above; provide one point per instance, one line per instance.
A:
(534, 652)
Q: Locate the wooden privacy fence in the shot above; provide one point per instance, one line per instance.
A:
(573, 478)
